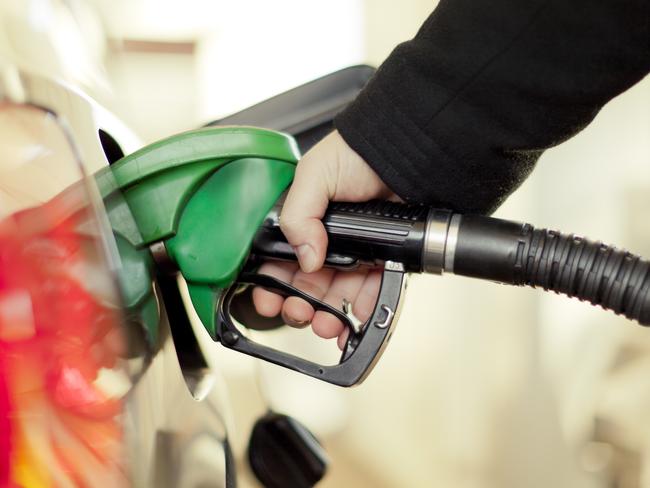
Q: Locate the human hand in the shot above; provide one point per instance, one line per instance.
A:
(330, 171)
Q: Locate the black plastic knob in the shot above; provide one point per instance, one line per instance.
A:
(283, 453)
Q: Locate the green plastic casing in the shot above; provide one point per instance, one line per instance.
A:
(204, 194)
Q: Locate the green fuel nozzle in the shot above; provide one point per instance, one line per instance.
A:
(199, 197)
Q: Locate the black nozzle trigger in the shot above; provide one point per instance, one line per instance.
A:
(286, 290)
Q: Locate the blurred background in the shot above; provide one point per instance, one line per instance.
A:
(482, 385)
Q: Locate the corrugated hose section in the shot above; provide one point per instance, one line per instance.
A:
(592, 271)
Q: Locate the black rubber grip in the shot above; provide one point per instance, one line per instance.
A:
(374, 231)
(519, 254)
(377, 231)
(382, 209)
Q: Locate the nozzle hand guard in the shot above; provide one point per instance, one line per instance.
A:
(363, 348)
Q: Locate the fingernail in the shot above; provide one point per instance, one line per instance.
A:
(307, 258)
(298, 324)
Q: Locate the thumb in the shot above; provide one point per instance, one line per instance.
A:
(303, 209)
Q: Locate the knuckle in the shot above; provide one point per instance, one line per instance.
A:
(309, 287)
(289, 223)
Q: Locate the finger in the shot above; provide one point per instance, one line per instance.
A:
(303, 210)
(346, 284)
(343, 338)
(367, 297)
(296, 311)
(269, 304)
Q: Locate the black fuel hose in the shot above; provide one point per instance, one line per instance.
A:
(518, 254)
(436, 241)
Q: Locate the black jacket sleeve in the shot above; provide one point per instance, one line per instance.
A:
(458, 116)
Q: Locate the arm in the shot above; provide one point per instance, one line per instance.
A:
(458, 116)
